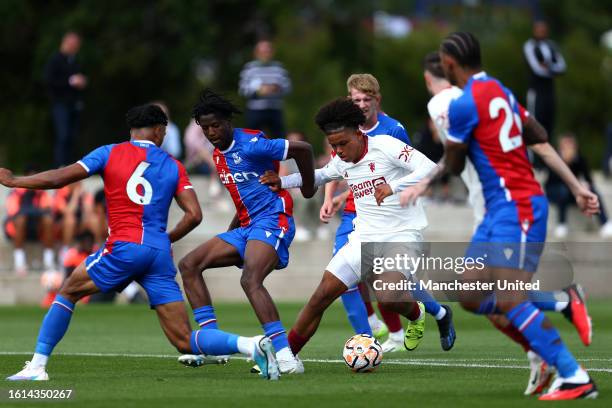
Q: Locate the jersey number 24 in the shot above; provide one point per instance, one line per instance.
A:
(506, 141)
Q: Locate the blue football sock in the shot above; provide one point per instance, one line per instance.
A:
(213, 342)
(356, 311)
(550, 301)
(205, 317)
(422, 295)
(276, 332)
(543, 338)
(54, 325)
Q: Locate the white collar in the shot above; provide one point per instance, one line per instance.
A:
(372, 128)
(142, 141)
(229, 148)
(479, 75)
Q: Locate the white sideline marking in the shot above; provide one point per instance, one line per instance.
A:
(417, 362)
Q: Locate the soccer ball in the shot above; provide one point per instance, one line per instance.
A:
(362, 353)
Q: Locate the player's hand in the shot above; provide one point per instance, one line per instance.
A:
(272, 180)
(327, 211)
(382, 191)
(587, 201)
(410, 194)
(6, 177)
(337, 202)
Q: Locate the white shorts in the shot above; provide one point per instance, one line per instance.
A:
(346, 264)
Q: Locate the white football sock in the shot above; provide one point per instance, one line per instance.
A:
(374, 320)
(559, 306)
(39, 360)
(397, 336)
(48, 258)
(579, 377)
(285, 354)
(441, 313)
(246, 345)
(19, 258)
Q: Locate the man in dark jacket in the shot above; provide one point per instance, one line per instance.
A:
(65, 84)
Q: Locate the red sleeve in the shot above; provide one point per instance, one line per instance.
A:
(183, 179)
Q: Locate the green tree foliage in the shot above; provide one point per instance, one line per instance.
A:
(138, 51)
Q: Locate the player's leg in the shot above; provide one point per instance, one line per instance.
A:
(573, 381)
(259, 260)
(402, 303)
(329, 289)
(214, 253)
(352, 300)
(166, 298)
(56, 322)
(342, 272)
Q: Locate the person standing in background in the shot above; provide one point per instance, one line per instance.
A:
(545, 63)
(172, 141)
(65, 84)
(264, 83)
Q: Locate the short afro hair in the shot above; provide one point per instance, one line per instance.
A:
(144, 116)
(339, 114)
(211, 102)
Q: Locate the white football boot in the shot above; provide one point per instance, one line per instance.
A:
(30, 373)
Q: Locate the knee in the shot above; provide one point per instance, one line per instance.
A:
(249, 283)
(188, 268)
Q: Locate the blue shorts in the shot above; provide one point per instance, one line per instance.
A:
(510, 240)
(116, 265)
(277, 231)
(344, 229)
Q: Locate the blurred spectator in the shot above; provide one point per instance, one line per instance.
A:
(198, 157)
(561, 196)
(72, 212)
(29, 218)
(98, 225)
(264, 83)
(65, 84)
(172, 140)
(305, 211)
(545, 63)
(428, 142)
(84, 246)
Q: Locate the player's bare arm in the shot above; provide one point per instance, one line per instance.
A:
(302, 153)
(192, 214)
(45, 180)
(536, 138)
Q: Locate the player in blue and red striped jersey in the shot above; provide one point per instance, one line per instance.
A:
(140, 181)
(487, 125)
(259, 236)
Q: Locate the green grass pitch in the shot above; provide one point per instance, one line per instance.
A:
(117, 356)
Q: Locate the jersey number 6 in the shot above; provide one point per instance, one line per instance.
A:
(136, 179)
(506, 141)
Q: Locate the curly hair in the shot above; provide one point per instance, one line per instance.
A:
(211, 102)
(147, 115)
(338, 114)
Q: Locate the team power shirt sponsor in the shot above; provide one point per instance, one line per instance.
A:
(140, 181)
(249, 156)
(386, 160)
(385, 125)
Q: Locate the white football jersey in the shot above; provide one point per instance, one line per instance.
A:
(438, 112)
(386, 161)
